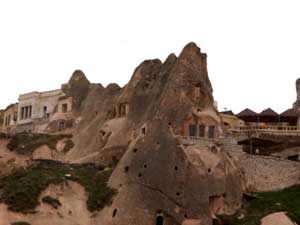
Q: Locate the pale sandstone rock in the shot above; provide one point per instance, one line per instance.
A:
(279, 218)
(60, 145)
(43, 152)
(191, 222)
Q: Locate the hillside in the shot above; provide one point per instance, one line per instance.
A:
(142, 170)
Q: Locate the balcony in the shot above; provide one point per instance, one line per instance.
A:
(270, 129)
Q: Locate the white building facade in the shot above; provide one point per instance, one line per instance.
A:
(37, 105)
(36, 110)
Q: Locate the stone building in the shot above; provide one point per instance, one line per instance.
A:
(1, 120)
(230, 120)
(63, 117)
(269, 117)
(37, 109)
(204, 124)
(290, 117)
(10, 116)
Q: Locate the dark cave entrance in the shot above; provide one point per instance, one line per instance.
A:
(216, 222)
(159, 220)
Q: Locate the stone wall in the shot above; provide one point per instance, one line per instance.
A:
(65, 101)
(267, 173)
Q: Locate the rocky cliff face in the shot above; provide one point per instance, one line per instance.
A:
(167, 91)
(138, 128)
(136, 131)
(139, 125)
(77, 88)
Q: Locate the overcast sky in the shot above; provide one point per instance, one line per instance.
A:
(253, 46)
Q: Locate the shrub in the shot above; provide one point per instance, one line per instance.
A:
(26, 143)
(21, 190)
(55, 203)
(266, 203)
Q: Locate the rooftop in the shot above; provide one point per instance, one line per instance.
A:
(268, 112)
(247, 112)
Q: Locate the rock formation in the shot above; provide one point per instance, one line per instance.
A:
(157, 178)
(297, 102)
(138, 130)
(167, 91)
(277, 218)
(77, 88)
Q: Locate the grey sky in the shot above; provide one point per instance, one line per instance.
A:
(253, 46)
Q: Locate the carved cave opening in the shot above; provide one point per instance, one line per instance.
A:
(114, 213)
(159, 220)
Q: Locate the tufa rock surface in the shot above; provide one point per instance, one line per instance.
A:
(138, 126)
(77, 88)
(137, 129)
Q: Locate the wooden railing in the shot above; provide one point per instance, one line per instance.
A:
(274, 129)
(268, 127)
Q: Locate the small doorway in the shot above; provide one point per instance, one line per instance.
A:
(45, 112)
(62, 126)
(159, 220)
(211, 132)
(65, 108)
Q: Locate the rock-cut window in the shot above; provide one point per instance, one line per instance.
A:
(201, 131)
(64, 108)
(192, 130)
(211, 132)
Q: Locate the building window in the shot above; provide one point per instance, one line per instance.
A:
(62, 126)
(201, 131)
(15, 116)
(45, 112)
(26, 112)
(22, 113)
(30, 111)
(7, 120)
(64, 108)
(192, 130)
(211, 132)
(123, 109)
